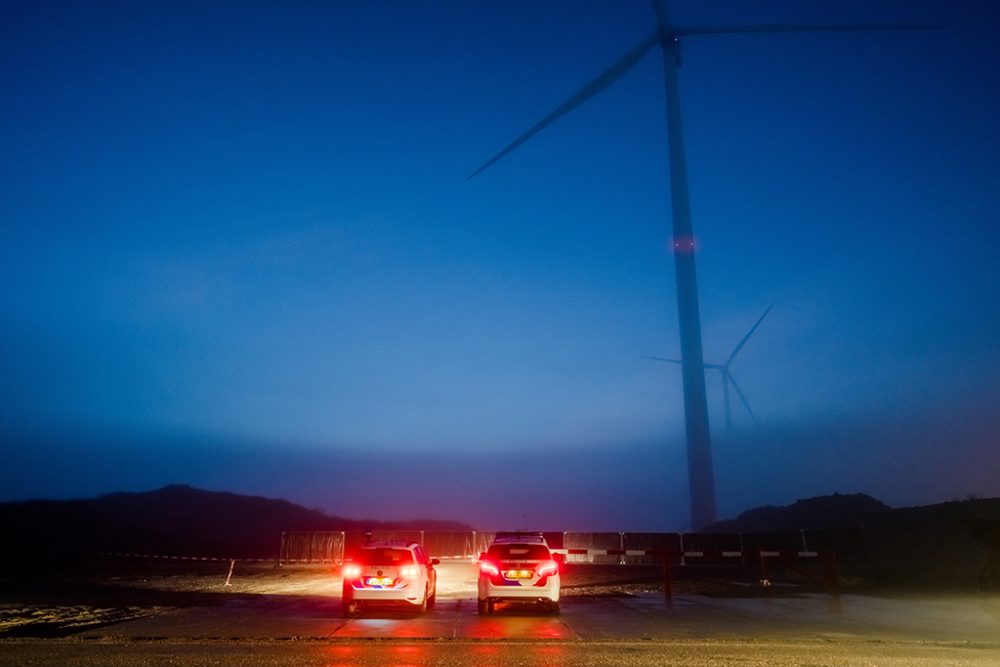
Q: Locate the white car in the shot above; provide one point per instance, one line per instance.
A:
(518, 566)
(389, 572)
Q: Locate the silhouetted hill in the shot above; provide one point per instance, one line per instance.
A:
(175, 520)
(836, 511)
(944, 545)
(935, 544)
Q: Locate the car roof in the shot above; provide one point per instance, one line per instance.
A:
(519, 538)
(390, 544)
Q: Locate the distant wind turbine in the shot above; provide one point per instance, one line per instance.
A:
(727, 375)
(699, 446)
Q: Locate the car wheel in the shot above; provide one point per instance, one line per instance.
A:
(422, 607)
(491, 607)
(348, 608)
(483, 607)
(432, 600)
(554, 608)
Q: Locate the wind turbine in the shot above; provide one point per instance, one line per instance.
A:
(727, 375)
(699, 447)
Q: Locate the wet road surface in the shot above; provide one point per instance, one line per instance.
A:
(460, 653)
(970, 619)
(304, 627)
(804, 630)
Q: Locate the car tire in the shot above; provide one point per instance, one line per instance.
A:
(483, 607)
(348, 608)
(432, 600)
(422, 607)
(491, 607)
(554, 608)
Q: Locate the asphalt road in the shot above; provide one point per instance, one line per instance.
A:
(801, 630)
(464, 653)
(298, 623)
(948, 620)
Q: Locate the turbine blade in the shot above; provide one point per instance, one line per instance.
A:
(753, 30)
(599, 83)
(678, 361)
(743, 399)
(725, 396)
(743, 341)
(673, 361)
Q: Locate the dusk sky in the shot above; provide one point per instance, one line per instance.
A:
(238, 250)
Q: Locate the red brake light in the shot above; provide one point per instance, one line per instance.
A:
(352, 572)
(547, 569)
(489, 569)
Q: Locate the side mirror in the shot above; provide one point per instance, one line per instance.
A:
(435, 561)
(482, 555)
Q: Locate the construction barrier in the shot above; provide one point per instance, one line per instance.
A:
(682, 549)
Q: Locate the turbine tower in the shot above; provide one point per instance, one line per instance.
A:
(699, 447)
(727, 375)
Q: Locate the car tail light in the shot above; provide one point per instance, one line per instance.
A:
(408, 571)
(352, 572)
(547, 569)
(489, 568)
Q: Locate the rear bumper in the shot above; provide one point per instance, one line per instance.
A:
(489, 591)
(411, 594)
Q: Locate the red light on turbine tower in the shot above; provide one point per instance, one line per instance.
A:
(683, 245)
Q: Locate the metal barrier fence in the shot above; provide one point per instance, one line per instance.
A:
(592, 548)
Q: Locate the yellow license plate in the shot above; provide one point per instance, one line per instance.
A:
(519, 574)
(379, 581)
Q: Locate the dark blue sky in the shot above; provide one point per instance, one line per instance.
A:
(238, 250)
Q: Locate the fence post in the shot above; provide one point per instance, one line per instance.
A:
(831, 574)
(229, 577)
(668, 587)
(765, 581)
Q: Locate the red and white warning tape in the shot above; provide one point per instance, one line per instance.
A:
(187, 558)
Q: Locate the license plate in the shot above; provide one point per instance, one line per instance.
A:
(379, 581)
(519, 574)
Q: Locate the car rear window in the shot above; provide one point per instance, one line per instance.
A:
(518, 552)
(385, 557)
